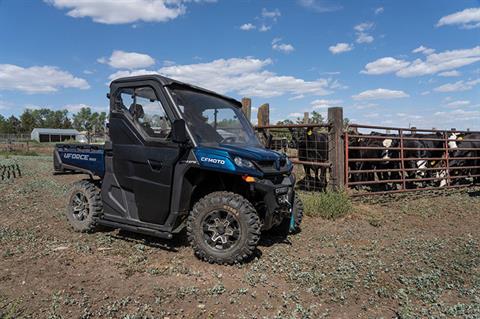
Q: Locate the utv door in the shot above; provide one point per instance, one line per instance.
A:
(143, 155)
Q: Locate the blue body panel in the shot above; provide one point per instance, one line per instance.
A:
(221, 158)
(84, 157)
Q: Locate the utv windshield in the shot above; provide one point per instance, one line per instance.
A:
(213, 120)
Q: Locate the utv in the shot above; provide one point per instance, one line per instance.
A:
(180, 156)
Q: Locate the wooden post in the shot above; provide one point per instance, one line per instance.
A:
(336, 149)
(247, 108)
(306, 118)
(264, 115)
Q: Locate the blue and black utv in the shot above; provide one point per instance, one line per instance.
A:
(181, 156)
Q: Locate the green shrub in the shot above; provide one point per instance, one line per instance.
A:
(329, 205)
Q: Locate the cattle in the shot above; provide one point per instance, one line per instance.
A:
(466, 154)
(425, 156)
(380, 153)
(312, 147)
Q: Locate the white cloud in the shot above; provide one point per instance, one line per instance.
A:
(168, 63)
(264, 28)
(128, 60)
(424, 50)
(452, 73)
(120, 12)
(320, 6)
(458, 86)
(296, 114)
(362, 35)
(384, 65)
(243, 76)
(340, 48)
(379, 10)
(364, 38)
(282, 47)
(125, 73)
(274, 14)
(433, 63)
(458, 103)
(467, 19)
(74, 108)
(5, 104)
(247, 27)
(296, 97)
(38, 79)
(379, 94)
(458, 115)
(323, 103)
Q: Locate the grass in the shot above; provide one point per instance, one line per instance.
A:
(329, 205)
(7, 154)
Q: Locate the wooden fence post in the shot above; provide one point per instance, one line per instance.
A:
(263, 115)
(247, 108)
(306, 118)
(336, 148)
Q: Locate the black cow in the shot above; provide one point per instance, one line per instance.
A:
(417, 153)
(466, 154)
(381, 157)
(312, 147)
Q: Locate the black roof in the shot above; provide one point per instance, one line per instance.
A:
(164, 81)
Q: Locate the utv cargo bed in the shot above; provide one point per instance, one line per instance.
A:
(79, 158)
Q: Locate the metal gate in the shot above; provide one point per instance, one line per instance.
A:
(395, 160)
(307, 146)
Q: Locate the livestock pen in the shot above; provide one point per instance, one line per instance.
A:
(394, 160)
(373, 160)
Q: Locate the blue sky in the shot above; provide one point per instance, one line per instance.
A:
(386, 62)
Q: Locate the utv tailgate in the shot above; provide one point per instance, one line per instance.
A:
(79, 158)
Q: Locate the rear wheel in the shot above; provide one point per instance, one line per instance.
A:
(223, 228)
(84, 206)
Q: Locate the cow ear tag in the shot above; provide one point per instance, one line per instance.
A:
(433, 162)
(460, 138)
(309, 132)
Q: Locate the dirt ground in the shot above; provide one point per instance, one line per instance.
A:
(403, 258)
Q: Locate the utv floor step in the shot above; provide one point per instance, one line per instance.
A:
(137, 229)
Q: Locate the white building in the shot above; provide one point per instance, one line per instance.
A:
(54, 135)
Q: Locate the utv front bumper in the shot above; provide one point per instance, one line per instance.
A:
(277, 194)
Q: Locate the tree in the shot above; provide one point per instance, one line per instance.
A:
(285, 122)
(27, 120)
(316, 118)
(92, 123)
(2, 124)
(13, 125)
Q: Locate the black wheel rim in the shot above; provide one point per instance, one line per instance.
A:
(80, 209)
(221, 230)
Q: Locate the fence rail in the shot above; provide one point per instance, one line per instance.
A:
(410, 159)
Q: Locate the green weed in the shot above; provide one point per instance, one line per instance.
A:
(329, 205)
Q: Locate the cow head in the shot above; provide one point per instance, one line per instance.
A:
(452, 140)
(386, 153)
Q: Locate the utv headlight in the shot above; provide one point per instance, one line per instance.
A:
(240, 162)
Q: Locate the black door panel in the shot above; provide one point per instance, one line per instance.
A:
(143, 167)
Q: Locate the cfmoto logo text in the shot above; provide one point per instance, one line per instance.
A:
(82, 157)
(212, 160)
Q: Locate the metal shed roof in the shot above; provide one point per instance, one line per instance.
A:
(56, 131)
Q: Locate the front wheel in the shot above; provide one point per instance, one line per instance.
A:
(223, 228)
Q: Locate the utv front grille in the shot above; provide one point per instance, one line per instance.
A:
(272, 167)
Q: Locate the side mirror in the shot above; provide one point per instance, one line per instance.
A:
(179, 132)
